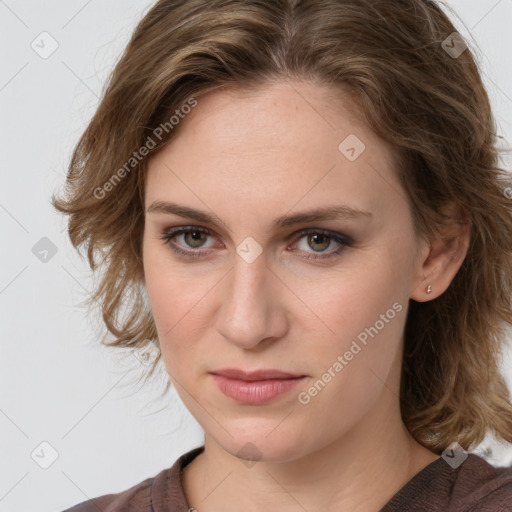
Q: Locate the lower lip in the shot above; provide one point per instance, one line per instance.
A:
(257, 391)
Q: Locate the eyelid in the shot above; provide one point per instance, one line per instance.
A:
(343, 241)
(180, 230)
(335, 235)
(344, 238)
(340, 238)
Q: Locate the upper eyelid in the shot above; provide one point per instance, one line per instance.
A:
(300, 233)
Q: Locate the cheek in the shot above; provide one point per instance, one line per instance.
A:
(352, 299)
(352, 366)
(365, 313)
(365, 305)
(173, 293)
(179, 303)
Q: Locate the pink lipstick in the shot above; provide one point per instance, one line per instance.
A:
(256, 387)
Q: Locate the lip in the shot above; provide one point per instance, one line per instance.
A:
(234, 373)
(256, 387)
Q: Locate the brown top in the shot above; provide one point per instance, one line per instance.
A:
(474, 486)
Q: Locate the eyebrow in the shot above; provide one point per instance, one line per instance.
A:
(336, 212)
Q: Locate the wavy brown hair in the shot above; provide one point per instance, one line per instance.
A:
(432, 108)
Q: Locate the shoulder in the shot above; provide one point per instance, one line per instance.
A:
(481, 487)
(155, 493)
(138, 497)
(472, 486)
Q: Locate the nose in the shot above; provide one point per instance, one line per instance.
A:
(253, 311)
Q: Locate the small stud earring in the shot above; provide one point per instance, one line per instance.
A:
(429, 289)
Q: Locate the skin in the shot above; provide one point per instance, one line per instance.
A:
(249, 158)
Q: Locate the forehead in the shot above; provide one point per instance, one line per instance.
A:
(281, 143)
(292, 110)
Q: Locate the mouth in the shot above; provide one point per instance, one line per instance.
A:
(255, 387)
(255, 375)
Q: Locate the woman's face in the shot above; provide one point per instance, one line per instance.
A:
(283, 275)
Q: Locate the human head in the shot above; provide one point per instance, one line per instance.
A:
(389, 57)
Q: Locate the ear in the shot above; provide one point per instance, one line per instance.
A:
(441, 257)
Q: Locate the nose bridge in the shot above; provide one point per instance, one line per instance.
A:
(252, 281)
(250, 311)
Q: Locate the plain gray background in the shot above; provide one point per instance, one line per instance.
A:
(58, 385)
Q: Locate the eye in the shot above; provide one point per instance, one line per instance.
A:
(320, 241)
(192, 242)
(191, 237)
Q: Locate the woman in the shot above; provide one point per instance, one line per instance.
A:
(302, 205)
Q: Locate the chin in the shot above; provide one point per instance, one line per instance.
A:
(264, 444)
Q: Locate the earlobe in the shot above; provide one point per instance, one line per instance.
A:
(426, 289)
(444, 256)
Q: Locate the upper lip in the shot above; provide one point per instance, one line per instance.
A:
(234, 373)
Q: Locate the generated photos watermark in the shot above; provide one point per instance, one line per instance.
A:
(305, 397)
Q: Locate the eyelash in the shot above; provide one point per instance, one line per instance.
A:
(167, 236)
